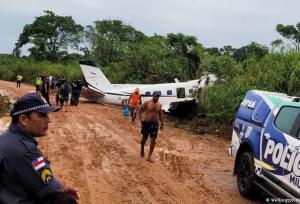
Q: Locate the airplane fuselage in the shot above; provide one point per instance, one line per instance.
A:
(119, 93)
(169, 93)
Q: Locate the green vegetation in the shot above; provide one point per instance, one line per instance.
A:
(127, 55)
(51, 36)
(11, 66)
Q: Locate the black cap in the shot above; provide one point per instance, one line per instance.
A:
(32, 102)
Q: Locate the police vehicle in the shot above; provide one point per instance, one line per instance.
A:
(266, 145)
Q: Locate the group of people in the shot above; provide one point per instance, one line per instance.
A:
(49, 85)
(150, 114)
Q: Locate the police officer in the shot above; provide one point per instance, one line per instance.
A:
(25, 174)
(38, 82)
(76, 91)
(45, 88)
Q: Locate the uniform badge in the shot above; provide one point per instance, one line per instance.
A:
(46, 175)
(38, 163)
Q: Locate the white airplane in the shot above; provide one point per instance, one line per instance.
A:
(102, 91)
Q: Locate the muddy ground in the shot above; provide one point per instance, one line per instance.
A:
(95, 148)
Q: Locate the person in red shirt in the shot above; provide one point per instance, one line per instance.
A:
(135, 100)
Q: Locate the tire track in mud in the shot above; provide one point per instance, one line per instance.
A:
(176, 161)
(90, 165)
(68, 155)
(133, 179)
(173, 160)
(109, 170)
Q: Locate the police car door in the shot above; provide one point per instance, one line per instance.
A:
(274, 154)
(291, 158)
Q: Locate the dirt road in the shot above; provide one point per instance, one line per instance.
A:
(97, 149)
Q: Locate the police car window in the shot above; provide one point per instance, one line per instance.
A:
(286, 118)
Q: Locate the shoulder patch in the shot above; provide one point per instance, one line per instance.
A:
(38, 163)
(46, 175)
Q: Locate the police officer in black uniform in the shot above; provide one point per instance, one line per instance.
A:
(25, 174)
(76, 91)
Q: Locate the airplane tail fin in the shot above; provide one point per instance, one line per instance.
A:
(94, 77)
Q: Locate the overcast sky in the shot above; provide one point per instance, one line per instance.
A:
(215, 23)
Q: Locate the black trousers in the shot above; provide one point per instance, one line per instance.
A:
(18, 83)
(46, 96)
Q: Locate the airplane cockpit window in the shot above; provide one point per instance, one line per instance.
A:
(156, 92)
(180, 92)
(169, 92)
(147, 93)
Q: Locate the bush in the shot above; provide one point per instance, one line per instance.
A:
(10, 67)
(274, 72)
(221, 101)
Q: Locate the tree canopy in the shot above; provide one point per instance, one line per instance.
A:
(50, 35)
(290, 33)
(127, 55)
(188, 47)
(112, 40)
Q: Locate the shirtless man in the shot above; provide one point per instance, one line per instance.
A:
(152, 113)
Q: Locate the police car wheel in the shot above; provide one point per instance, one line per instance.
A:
(246, 175)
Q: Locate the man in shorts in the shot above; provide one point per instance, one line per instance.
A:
(152, 110)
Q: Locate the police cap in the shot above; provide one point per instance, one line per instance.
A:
(32, 102)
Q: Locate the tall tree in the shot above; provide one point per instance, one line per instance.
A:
(290, 33)
(50, 34)
(151, 62)
(186, 46)
(112, 39)
(87, 42)
(227, 50)
(252, 50)
(277, 44)
(213, 51)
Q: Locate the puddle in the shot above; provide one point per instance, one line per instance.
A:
(4, 123)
